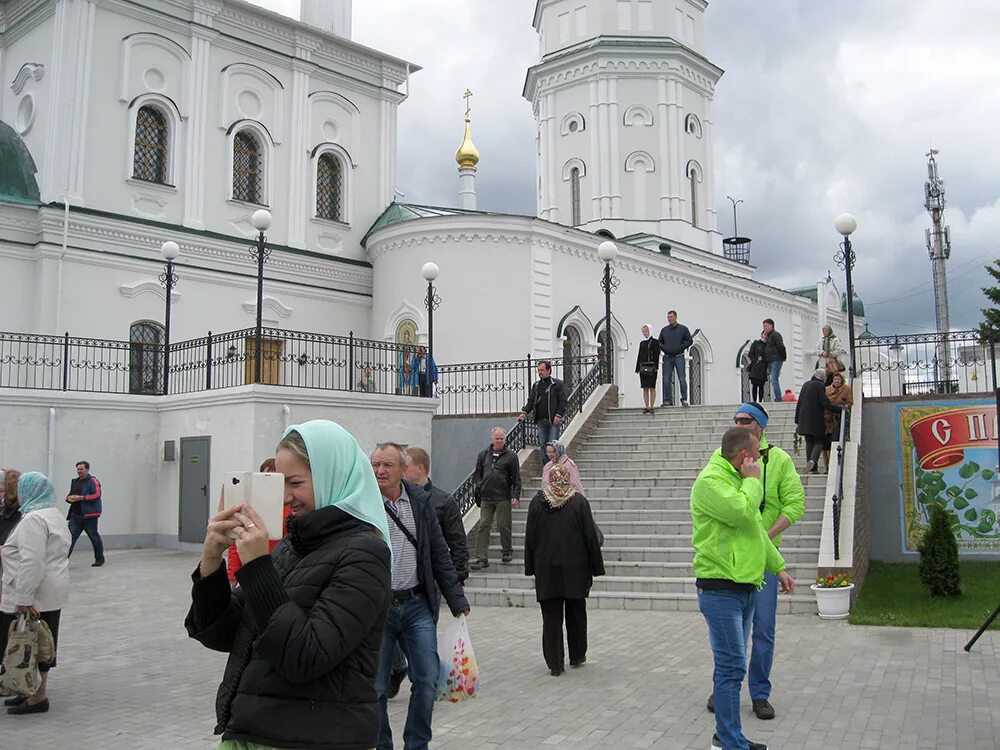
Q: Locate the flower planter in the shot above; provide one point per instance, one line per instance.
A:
(833, 603)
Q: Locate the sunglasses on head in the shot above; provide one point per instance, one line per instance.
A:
(744, 420)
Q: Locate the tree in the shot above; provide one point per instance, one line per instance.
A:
(939, 556)
(989, 329)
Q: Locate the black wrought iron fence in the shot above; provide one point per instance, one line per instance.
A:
(924, 363)
(501, 387)
(525, 434)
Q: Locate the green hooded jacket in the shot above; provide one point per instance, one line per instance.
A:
(728, 535)
(783, 490)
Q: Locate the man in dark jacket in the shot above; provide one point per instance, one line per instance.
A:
(417, 471)
(421, 564)
(546, 405)
(675, 339)
(84, 500)
(774, 355)
(810, 410)
(498, 472)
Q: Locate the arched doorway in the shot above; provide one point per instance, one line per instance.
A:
(572, 354)
(406, 337)
(145, 362)
(695, 377)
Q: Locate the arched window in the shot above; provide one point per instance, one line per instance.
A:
(248, 168)
(695, 378)
(692, 125)
(151, 142)
(572, 357)
(574, 193)
(329, 188)
(694, 177)
(145, 362)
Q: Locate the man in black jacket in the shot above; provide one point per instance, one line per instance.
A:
(546, 404)
(421, 564)
(675, 339)
(417, 471)
(498, 472)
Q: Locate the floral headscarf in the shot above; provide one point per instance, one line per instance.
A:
(560, 491)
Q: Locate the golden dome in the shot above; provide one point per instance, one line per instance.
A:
(467, 155)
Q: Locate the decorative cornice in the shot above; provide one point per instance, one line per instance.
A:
(269, 303)
(148, 286)
(34, 71)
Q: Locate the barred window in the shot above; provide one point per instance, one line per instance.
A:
(145, 366)
(151, 139)
(248, 168)
(574, 198)
(329, 188)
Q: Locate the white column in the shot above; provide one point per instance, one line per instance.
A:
(604, 137)
(81, 99)
(467, 188)
(616, 165)
(554, 175)
(594, 161)
(544, 200)
(666, 165)
(673, 150)
(708, 199)
(679, 159)
(194, 169)
(299, 174)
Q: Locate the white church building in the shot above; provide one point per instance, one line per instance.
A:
(125, 124)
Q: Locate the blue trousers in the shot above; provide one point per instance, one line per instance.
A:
(729, 615)
(670, 365)
(762, 651)
(411, 625)
(77, 525)
(546, 432)
(773, 371)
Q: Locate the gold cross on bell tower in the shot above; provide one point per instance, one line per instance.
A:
(467, 95)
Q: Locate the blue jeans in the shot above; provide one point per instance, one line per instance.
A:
(773, 371)
(762, 652)
(77, 525)
(670, 364)
(411, 625)
(729, 615)
(546, 432)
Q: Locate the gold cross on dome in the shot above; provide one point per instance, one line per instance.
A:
(467, 95)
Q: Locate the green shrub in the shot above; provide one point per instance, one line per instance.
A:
(939, 556)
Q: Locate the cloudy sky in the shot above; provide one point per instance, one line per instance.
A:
(824, 108)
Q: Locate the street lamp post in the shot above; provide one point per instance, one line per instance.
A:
(845, 224)
(169, 250)
(608, 251)
(432, 302)
(261, 220)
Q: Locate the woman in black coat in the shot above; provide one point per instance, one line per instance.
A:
(810, 417)
(303, 628)
(647, 364)
(562, 550)
(757, 370)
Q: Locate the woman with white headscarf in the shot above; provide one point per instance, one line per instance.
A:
(35, 575)
(303, 628)
(647, 365)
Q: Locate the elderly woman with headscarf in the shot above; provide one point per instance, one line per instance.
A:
(647, 365)
(556, 452)
(562, 550)
(829, 350)
(839, 393)
(303, 628)
(35, 575)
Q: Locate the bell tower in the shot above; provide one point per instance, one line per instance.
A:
(622, 99)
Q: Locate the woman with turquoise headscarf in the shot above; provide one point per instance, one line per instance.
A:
(303, 627)
(35, 562)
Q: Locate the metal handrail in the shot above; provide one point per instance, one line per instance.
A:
(838, 483)
(524, 433)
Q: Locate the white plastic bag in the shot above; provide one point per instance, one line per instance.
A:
(458, 675)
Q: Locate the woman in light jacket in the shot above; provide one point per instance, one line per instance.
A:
(556, 452)
(35, 575)
(830, 348)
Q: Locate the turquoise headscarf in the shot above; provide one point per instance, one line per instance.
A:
(35, 492)
(342, 474)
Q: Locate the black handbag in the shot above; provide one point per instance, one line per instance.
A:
(647, 368)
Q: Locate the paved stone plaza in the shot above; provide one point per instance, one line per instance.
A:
(130, 678)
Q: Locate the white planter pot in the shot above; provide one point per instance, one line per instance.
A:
(833, 604)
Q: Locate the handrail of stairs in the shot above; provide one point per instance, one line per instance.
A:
(524, 434)
(838, 491)
(837, 538)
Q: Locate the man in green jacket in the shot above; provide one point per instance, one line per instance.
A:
(783, 505)
(732, 551)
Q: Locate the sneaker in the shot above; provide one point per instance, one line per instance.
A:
(578, 662)
(395, 681)
(763, 710)
(507, 557)
(480, 564)
(97, 563)
(717, 744)
(810, 465)
(710, 704)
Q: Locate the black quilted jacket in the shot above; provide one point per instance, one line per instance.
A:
(303, 631)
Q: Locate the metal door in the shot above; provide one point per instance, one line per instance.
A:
(194, 488)
(694, 376)
(572, 353)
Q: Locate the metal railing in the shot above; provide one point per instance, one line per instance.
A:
(525, 434)
(924, 363)
(501, 387)
(838, 493)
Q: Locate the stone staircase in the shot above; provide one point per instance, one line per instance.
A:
(638, 470)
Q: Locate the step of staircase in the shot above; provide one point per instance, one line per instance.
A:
(638, 470)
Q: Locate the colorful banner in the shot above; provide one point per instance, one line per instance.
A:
(948, 457)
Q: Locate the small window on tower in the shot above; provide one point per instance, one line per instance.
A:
(574, 126)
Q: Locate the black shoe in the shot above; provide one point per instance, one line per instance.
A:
(763, 710)
(717, 744)
(556, 672)
(711, 703)
(480, 564)
(97, 563)
(507, 557)
(395, 680)
(30, 708)
(578, 662)
(17, 700)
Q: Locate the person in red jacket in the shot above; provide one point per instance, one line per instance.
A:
(84, 500)
(233, 563)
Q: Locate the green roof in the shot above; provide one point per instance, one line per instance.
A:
(17, 169)
(809, 292)
(400, 213)
(859, 306)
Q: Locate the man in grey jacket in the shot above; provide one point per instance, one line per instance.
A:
(499, 475)
(674, 339)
